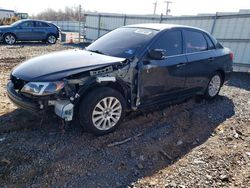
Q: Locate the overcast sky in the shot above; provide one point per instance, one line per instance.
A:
(178, 7)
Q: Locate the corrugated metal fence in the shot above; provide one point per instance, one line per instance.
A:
(71, 26)
(231, 29)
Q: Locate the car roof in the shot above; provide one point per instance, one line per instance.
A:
(24, 20)
(160, 27)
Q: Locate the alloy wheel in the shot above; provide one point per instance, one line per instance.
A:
(107, 113)
(214, 85)
(10, 39)
(52, 39)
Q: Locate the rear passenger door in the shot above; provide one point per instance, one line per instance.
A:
(41, 30)
(200, 55)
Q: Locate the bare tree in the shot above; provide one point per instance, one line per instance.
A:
(69, 14)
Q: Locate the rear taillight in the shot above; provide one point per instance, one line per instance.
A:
(231, 56)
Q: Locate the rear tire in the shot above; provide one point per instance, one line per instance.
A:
(214, 86)
(9, 39)
(102, 110)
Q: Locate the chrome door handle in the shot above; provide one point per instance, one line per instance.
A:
(147, 67)
(180, 64)
(211, 59)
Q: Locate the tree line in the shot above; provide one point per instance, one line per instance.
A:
(69, 14)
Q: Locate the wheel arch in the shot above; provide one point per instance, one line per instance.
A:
(11, 34)
(118, 86)
(222, 73)
(50, 33)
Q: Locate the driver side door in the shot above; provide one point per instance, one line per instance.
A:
(24, 30)
(163, 80)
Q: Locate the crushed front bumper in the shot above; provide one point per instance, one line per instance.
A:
(63, 108)
(20, 100)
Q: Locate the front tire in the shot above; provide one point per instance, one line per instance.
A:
(214, 86)
(51, 39)
(102, 110)
(9, 39)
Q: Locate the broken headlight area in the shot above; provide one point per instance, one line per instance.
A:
(101, 71)
(43, 88)
(46, 93)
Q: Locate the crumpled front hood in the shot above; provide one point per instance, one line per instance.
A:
(58, 65)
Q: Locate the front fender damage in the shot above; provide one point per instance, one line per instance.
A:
(123, 74)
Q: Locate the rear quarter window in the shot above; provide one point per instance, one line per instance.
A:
(210, 44)
(216, 43)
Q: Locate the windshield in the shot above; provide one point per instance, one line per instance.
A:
(17, 22)
(123, 42)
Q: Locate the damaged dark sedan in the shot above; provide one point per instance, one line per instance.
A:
(131, 68)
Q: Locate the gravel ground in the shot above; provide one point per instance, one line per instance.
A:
(194, 144)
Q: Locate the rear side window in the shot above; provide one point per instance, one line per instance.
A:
(170, 41)
(195, 42)
(41, 24)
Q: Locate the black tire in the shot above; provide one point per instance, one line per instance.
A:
(9, 39)
(51, 39)
(208, 93)
(89, 104)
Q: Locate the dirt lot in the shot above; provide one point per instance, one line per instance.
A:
(193, 144)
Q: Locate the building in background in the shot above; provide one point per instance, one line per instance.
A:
(4, 13)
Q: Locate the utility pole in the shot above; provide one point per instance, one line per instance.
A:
(155, 5)
(80, 16)
(168, 9)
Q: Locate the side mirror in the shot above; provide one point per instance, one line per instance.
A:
(157, 54)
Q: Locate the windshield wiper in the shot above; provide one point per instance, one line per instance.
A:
(97, 51)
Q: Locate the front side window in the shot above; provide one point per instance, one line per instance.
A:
(27, 25)
(123, 42)
(171, 41)
(195, 42)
